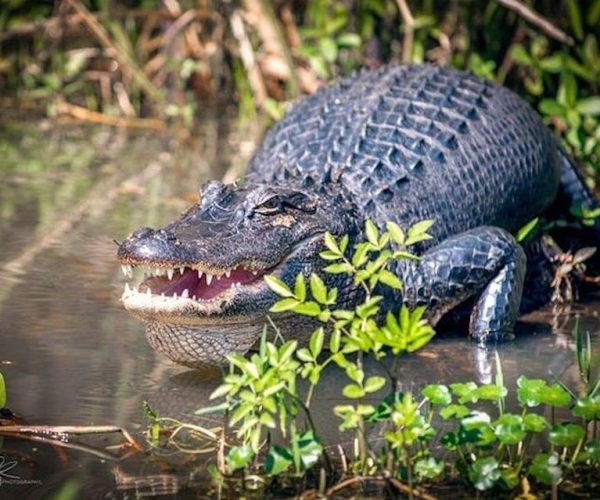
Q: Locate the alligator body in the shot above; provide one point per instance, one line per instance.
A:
(403, 144)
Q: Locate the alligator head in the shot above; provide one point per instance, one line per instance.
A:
(200, 287)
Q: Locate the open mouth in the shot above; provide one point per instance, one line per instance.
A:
(186, 282)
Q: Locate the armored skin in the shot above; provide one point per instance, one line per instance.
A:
(402, 144)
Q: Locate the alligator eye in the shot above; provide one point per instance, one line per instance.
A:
(270, 206)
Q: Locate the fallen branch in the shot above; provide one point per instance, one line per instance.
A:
(536, 19)
(414, 492)
(85, 114)
(52, 433)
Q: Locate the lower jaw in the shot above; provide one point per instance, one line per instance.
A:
(198, 345)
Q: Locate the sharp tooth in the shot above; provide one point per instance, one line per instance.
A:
(199, 274)
(228, 273)
(124, 269)
(181, 269)
(194, 297)
(185, 294)
(175, 295)
(209, 278)
(127, 290)
(254, 272)
(170, 273)
(129, 272)
(157, 271)
(148, 292)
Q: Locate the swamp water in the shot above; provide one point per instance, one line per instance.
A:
(71, 355)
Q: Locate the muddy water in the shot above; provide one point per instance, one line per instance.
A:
(72, 356)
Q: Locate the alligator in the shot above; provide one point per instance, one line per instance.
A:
(402, 143)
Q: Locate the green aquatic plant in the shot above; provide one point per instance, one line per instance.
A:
(488, 447)
(2, 391)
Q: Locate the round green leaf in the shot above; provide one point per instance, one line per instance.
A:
(491, 392)
(278, 460)
(566, 434)
(535, 423)
(484, 473)
(554, 395)
(509, 429)
(353, 391)
(429, 468)
(438, 394)
(546, 468)
(373, 384)
(588, 408)
(528, 391)
(239, 457)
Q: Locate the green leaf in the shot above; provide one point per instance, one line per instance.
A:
(574, 15)
(300, 288)
(2, 392)
(308, 309)
(552, 108)
(371, 232)
(305, 355)
(454, 411)
(390, 279)
(331, 244)
(328, 49)
(353, 391)
(418, 232)
(588, 408)
(509, 429)
(373, 384)
(429, 468)
(284, 305)
(396, 233)
(334, 341)
(221, 391)
(278, 286)
(467, 392)
(239, 457)
(527, 229)
(535, 423)
(484, 473)
(491, 392)
(310, 448)
(438, 394)
(528, 391)
(520, 55)
(546, 468)
(278, 460)
(342, 267)
(316, 342)
(349, 40)
(589, 106)
(566, 434)
(554, 395)
(318, 288)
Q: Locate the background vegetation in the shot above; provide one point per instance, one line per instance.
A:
(153, 63)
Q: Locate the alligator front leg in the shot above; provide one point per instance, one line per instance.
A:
(486, 263)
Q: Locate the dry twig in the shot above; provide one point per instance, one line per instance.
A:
(409, 30)
(536, 19)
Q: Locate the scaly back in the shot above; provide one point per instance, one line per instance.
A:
(408, 143)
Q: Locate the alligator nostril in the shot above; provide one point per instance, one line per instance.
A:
(144, 232)
(166, 235)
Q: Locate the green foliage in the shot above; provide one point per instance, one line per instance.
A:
(486, 446)
(2, 391)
